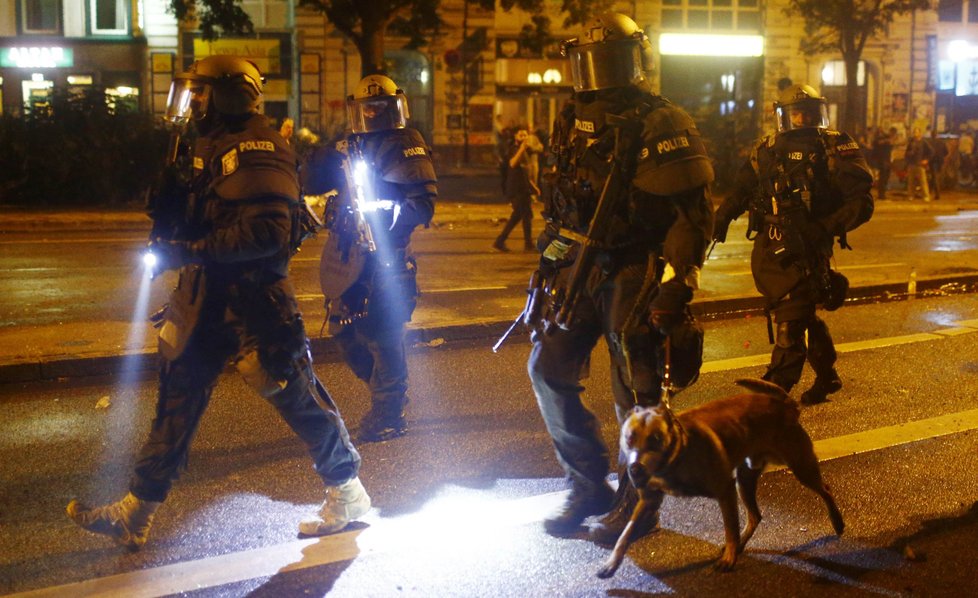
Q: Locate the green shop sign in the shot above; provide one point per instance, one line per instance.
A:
(37, 57)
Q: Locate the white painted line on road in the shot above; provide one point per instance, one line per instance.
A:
(847, 268)
(736, 363)
(73, 241)
(424, 291)
(302, 554)
(948, 233)
(900, 434)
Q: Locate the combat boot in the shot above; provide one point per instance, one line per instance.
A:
(126, 521)
(380, 425)
(609, 528)
(584, 500)
(343, 504)
(821, 389)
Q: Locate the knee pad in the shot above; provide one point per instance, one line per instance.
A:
(790, 333)
(266, 383)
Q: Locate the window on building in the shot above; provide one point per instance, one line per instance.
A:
(973, 11)
(714, 15)
(949, 11)
(834, 73)
(40, 16)
(108, 17)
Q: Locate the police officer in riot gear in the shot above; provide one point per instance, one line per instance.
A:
(804, 187)
(616, 142)
(371, 292)
(233, 303)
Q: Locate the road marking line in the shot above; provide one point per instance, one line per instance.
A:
(736, 363)
(424, 291)
(949, 233)
(72, 241)
(898, 435)
(846, 268)
(314, 552)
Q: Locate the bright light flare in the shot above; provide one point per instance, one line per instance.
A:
(702, 44)
(149, 260)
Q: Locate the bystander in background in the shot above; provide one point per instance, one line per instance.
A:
(917, 156)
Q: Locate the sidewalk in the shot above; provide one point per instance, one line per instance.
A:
(104, 351)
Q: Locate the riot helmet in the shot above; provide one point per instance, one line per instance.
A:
(800, 107)
(229, 84)
(377, 105)
(611, 52)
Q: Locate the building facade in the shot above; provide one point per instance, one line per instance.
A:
(722, 60)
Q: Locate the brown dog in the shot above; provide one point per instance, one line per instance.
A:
(695, 452)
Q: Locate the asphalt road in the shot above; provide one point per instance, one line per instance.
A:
(71, 292)
(459, 500)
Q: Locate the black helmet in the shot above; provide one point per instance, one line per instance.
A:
(377, 105)
(232, 84)
(799, 107)
(611, 52)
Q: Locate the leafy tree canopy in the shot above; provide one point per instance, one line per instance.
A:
(846, 25)
(216, 17)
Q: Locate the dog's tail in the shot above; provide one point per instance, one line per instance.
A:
(762, 387)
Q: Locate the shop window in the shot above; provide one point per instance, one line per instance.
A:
(122, 98)
(108, 17)
(40, 16)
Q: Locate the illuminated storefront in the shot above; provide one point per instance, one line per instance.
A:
(48, 45)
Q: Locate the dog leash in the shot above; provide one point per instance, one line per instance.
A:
(667, 388)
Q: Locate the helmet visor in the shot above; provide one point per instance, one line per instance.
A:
(802, 115)
(188, 98)
(377, 113)
(606, 64)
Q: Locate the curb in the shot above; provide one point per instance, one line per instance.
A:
(326, 350)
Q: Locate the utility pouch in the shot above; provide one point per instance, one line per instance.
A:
(182, 312)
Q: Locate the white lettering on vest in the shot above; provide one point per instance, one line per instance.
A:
(671, 145)
(256, 146)
(584, 125)
(413, 151)
(794, 155)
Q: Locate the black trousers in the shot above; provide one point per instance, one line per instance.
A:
(559, 361)
(185, 387)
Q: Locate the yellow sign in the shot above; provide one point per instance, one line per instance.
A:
(266, 53)
(162, 62)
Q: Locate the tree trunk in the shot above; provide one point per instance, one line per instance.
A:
(371, 48)
(852, 117)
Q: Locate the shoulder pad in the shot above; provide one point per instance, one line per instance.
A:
(672, 158)
(253, 163)
(404, 158)
(840, 143)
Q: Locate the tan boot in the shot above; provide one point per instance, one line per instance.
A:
(126, 521)
(343, 504)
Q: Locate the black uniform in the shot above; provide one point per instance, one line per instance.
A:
(659, 237)
(804, 188)
(368, 316)
(236, 303)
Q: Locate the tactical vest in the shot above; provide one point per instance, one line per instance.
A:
(801, 160)
(667, 157)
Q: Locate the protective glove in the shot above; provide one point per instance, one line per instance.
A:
(172, 255)
(668, 308)
(720, 226)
